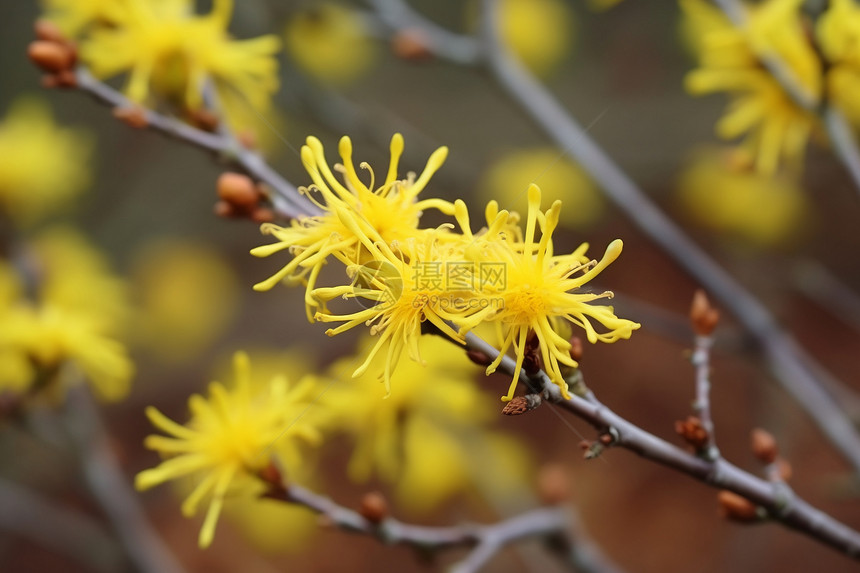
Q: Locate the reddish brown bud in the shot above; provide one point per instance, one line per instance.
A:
(51, 56)
(737, 508)
(764, 446)
(703, 316)
(606, 439)
(133, 116)
(478, 357)
(224, 209)
(204, 119)
(553, 484)
(411, 44)
(515, 407)
(48, 31)
(532, 361)
(692, 431)
(262, 215)
(784, 469)
(238, 190)
(373, 507)
(576, 348)
(67, 79)
(272, 475)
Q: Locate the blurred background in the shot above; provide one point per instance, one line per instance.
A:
(148, 204)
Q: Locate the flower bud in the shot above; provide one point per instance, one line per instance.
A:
(736, 508)
(238, 190)
(553, 484)
(411, 44)
(373, 507)
(764, 446)
(703, 316)
(51, 57)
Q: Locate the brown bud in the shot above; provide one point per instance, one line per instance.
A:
(133, 116)
(48, 31)
(532, 361)
(736, 508)
(478, 357)
(692, 431)
(553, 484)
(224, 209)
(576, 348)
(51, 56)
(238, 190)
(248, 139)
(262, 215)
(411, 44)
(272, 475)
(606, 439)
(67, 79)
(204, 119)
(515, 407)
(703, 316)
(764, 446)
(373, 507)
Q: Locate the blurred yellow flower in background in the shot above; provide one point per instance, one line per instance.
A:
(42, 165)
(235, 433)
(722, 192)
(176, 319)
(428, 435)
(838, 33)
(539, 32)
(74, 16)
(775, 128)
(168, 50)
(508, 177)
(60, 312)
(330, 42)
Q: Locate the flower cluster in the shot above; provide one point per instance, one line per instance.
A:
(230, 438)
(405, 277)
(60, 312)
(168, 50)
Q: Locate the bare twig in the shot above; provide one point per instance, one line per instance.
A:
(486, 540)
(284, 197)
(778, 500)
(110, 488)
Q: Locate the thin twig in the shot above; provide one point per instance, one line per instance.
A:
(701, 360)
(778, 500)
(486, 540)
(284, 197)
(110, 488)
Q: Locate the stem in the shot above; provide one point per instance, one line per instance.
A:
(702, 406)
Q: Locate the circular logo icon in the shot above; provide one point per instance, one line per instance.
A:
(377, 284)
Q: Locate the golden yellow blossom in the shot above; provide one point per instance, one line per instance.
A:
(166, 48)
(838, 32)
(230, 437)
(776, 127)
(73, 16)
(330, 42)
(392, 210)
(541, 291)
(42, 165)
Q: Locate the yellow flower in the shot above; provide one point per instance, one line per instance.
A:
(168, 49)
(777, 128)
(721, 192)
(330, 42)
(541, 291)
(42, 165)
(539, 32)
(431, 437)
(838, 32)
(392, 210)
(73, 16)
(67, 331)
(507, 181)
(230, 437)
(176, 319)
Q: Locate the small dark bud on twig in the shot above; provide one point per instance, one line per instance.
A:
(272, 475)
(238, 189)
(736, 508)
(764, 446)
(51, 57)
(374, 507)
(411, 44)
(591, 450)
(262, 215)
(532, 362)
(132, 116)
(606, 439)
(521, 404)
(703, 316)
(553, 484)
(478, 357)
(204, 119)
(692, 431)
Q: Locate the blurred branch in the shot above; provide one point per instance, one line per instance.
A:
(777, 500)
(111, 489)
(841, 135)
(550, 523)
(42, 521)
(285, 198)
